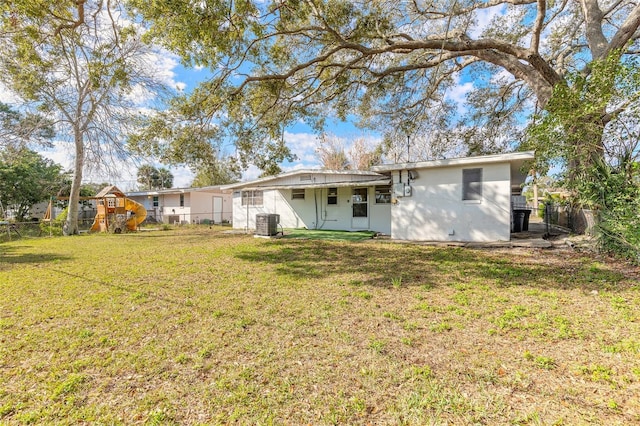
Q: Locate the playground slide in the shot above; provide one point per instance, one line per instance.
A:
(139, 214)
(95, 226)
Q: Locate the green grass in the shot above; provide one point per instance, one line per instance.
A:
(193, 326)
(320, 234)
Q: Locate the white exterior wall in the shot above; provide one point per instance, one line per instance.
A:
(302, 213)
(436, 212)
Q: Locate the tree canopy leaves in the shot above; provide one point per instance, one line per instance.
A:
(82, 65)
(150, 177)
(27, 178)
(388, 64)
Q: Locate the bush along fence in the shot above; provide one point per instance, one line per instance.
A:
(614, 233)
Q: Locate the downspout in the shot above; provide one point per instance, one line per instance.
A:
(323, 211)
(315, 199)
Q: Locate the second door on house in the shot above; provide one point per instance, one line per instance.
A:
(360, 208)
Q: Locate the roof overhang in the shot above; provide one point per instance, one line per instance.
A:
(250, 186)
(513, 158)
(349, 178)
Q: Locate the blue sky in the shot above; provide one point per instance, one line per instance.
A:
(300, 138)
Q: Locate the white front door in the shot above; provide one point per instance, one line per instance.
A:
(217, 209)
(360, 208)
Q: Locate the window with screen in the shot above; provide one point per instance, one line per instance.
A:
(332, 196)
(383, 194)
(251, 198)
(472, 184)
(297, 194)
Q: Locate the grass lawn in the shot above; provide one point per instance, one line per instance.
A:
(320, 234)
(194, 326)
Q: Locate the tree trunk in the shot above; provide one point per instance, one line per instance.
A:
(71, 225)
(587, 148)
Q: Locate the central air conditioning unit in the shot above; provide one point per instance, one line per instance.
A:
(407, 191)
(267, 224)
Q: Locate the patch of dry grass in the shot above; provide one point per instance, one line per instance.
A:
(195, 326)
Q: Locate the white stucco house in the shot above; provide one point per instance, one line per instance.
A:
(208, 204)
(462, 199)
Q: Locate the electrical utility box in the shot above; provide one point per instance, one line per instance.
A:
(401, 190)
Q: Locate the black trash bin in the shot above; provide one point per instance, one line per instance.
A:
(518, 220)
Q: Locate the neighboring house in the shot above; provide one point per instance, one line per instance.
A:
(462, 199)
(208, 204)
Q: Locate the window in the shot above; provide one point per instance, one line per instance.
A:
(472, 184)
(332, 196)
(251, 198)
(156, 201)
(181, 200)
(297, 194)
(383, 194)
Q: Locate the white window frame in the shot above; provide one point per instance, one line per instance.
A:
(332, 196)
(251, 198)
(383, 194)
(298, 193)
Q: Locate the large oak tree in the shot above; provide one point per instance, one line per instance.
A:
(390, 63)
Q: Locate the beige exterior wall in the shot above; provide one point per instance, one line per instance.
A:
(199, 206)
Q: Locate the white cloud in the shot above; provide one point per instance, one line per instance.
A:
(60, 153)
(123, 175)
(458, 94)
(251, 173)
(7, 96)
(484, 18)
(182, 176)
(303, 145)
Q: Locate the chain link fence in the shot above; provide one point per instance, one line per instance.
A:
(578, 221)
(35, 229)
(10, 230)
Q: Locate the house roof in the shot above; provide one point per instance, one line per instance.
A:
(170, 191)
(514, 157)
(378, 174)
(344, 178)
(250, 187)
(516, 161)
